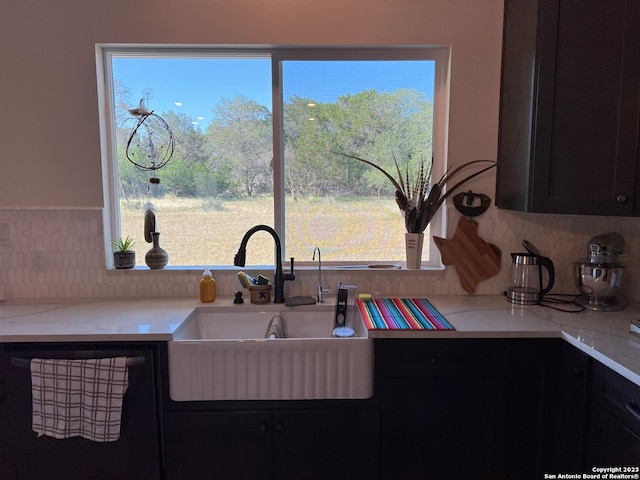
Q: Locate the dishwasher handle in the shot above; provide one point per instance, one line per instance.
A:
(26, 362)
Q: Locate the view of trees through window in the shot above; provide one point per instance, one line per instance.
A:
(220, 180)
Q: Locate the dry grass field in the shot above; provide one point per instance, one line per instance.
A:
(198, 232)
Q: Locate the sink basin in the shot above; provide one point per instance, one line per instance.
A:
(221, 353)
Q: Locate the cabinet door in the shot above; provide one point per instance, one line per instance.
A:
(614, 422)
(326, 444)
(568, 403)
(435, 428)
(7, 466)
(570, 106)
(610, 442)
(135, 456)
(225, 445)
(528, 429)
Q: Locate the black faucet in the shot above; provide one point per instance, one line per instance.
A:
(240, 259)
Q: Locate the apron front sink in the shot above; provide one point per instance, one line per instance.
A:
(221, 353)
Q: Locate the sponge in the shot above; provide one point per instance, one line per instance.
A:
(244, 280)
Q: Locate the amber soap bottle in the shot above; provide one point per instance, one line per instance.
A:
(207, 287)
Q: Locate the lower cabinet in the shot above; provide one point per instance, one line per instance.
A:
(530, 389)
(494, 409)
(469, 408)
(218, 445)
(440, 428)
(498, 409)
(444, 409)
(25, 456)
(7, 461)
(613, 436)
(611, 443)
(272, 444)
(567, 406)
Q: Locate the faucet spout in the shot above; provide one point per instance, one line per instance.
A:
(279, 277)
(319, 289)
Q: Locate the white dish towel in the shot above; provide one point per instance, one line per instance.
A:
(78, 398)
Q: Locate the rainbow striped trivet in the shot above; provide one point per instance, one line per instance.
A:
(401, 314)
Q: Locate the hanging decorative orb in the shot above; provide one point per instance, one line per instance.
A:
(149, 148)
(151, 144)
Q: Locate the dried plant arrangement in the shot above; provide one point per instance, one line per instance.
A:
(417, 198)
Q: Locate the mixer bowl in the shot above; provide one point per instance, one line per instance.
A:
(600, 283)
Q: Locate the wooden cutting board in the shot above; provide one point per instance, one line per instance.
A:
(474, 259)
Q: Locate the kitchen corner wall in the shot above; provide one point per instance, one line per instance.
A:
(71, 248)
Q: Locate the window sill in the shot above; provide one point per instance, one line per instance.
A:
(307, 267)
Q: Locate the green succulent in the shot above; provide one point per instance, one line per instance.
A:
(124, 244)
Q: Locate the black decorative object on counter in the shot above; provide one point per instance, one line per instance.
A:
(238, 298)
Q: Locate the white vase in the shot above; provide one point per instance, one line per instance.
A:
(413, 244)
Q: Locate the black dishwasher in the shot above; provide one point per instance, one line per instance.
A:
(135, 455)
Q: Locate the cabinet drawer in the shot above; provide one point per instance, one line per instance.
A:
(617, 395)
(438, 357)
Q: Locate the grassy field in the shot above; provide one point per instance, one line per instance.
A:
(198, 232)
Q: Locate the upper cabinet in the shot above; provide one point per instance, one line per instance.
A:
(570, 107)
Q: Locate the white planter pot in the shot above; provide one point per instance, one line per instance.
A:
(413, 244)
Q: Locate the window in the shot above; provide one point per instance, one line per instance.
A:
(257, 139)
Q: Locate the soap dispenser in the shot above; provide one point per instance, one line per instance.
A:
(340, 323)
(207, 287)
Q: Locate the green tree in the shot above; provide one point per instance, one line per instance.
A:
(189, 140)
(369, 124)
(188, 173)
(240, 141)
(309, 169)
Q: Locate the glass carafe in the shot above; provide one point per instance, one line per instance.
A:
(526, 278)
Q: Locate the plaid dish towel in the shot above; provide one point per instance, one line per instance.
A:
(78, 398)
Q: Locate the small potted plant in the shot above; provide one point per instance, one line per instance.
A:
(123, 255)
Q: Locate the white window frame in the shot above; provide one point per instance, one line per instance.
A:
(441, 54)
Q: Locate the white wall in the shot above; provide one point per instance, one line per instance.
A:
(50, 150)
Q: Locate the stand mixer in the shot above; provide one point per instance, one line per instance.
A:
(599, 276)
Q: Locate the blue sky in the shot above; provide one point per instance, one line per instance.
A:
(194, 85)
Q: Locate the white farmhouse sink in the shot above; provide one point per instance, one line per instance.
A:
(220, 353)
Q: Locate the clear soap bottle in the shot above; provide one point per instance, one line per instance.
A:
(207, 287)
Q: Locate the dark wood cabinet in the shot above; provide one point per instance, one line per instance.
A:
(7, 461)
(611, 442)
(450, 428)
(613, 437)
(321, 444)
(443, 408)
(459, 408)
(529, 404)
(230, 445)
(567, 405)
(276, 444)
(135, 456)
(444, 412)
(570, 107)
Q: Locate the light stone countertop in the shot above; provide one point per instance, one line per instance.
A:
(604, 336)
(88, 320)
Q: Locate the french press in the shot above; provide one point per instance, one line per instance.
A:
(526, 276)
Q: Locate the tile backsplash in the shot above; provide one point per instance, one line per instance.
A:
(71, 246)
